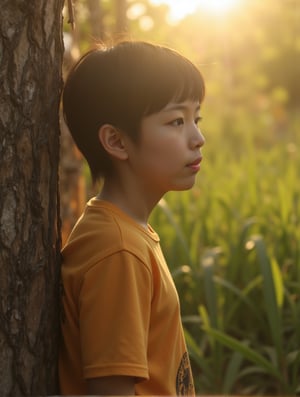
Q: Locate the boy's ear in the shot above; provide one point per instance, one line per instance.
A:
(112, 141)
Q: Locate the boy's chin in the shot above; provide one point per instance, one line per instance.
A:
(185, 187)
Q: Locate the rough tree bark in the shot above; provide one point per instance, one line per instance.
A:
(31, 52)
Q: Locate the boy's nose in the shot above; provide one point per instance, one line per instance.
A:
(197, 139)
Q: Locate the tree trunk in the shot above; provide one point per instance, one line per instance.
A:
(31, 53)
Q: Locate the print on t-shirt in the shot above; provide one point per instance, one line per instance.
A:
(184, 380)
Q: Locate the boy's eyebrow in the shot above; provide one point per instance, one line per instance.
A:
(180, 106)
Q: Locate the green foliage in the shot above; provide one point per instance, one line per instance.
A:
(232, 243)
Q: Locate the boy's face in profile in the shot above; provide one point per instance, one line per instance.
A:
(167, 156)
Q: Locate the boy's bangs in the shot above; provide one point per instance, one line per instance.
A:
(176, 82)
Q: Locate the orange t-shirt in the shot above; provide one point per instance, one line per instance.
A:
(120, 312)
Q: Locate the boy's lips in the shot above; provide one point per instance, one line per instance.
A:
(197, 161)
(195, 165)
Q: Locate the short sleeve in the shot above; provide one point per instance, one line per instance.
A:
(114, 317)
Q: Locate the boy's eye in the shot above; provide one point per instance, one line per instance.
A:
(198, 119)
(177, 122)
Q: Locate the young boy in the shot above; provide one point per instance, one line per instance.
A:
(133, 111)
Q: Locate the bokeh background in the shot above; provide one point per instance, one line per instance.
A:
(233, 241)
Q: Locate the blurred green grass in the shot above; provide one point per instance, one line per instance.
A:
(233, 247)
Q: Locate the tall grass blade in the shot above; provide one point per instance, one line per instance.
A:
(231, 374)
(241, 295)
(206, 322)
(210, 289)
(163, 205)
(278, 283)
(196, 353)
(246, 351)
(270, 295)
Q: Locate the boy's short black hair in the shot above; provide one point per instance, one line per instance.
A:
(119, 86)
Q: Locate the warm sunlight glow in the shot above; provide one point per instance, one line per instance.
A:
(180, 8)
(218, 6)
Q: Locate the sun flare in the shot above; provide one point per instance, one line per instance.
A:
(218, 6)
(180, 8)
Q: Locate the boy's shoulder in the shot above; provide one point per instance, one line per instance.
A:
(103, 230)
(102, 218)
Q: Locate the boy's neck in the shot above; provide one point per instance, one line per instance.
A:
(129, 201)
